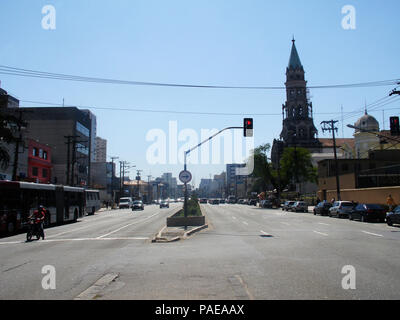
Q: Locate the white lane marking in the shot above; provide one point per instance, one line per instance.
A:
(244, 222)
(77, 239)
(266, 233)
(285, 223)
(130, 224)
(234, 218)
(321, 233)
(373, 234)
(324, 224)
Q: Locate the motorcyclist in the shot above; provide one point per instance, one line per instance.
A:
(39, 216)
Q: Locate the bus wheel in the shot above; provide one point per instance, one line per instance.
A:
(93, 211)
(10, 227)
(75, 215)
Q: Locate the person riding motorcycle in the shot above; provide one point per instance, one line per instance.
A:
(39, 216)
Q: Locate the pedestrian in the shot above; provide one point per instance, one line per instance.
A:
(390, 202)
(333, 200)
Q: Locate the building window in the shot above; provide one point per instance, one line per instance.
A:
(40, 153)
(44, 173)
(45, 155)
(35, 152)
(35, 171)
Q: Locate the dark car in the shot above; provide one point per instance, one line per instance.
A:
(367, 212)
(203, 200)
(137, 205)
(266, 204)
(393, 217)
(252, 202)
(164, 204)
(213, 201)
(322, 208)
(287, 205)
(222, 201)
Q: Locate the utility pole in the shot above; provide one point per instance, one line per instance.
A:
(149, 198)
(112, 178)
(138, 182)
(330, 126)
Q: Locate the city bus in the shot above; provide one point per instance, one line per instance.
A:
(18, 200)
(92, 201)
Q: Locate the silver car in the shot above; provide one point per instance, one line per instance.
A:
(299, 206)
(341, 209)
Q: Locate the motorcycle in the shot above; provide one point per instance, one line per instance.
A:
(34, 230)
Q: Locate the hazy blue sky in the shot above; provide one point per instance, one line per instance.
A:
(232, 43)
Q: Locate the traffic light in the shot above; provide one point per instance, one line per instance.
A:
(394, 126)
(248, 127)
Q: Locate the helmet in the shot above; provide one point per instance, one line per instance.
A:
(41, 207)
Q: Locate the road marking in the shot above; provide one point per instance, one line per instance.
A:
(234, 218)
(130, 224)
(267, 234)
(246, 288)
(77, 239)
(321, 233)
(324, 224)
(373, 234)
(244, 222)
(95, 290)
(285, 223)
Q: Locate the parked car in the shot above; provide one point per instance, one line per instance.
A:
(322, 208)
(265, 204)
(241, 201)
(231, 199)
(213, 201)
(287, 205)
(137, 205)
(299, 206)
(393, 217)
(125, 202)
(341, 209)
(222, 201)
(203, 200)
(366, 212)
(164, 204)
(252, 202)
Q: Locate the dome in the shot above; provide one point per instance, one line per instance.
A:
(367, 122)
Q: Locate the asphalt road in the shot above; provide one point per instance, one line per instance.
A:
(246, 253)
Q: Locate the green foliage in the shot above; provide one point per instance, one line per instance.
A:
(295, 164)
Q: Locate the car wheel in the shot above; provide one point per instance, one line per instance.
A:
(389, 222)
(350, 217)
(362, 219)
(315, 213)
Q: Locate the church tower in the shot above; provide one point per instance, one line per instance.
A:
(298, 125)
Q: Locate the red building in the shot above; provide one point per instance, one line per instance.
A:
(39, 162)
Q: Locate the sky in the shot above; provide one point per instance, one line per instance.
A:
(208, 42)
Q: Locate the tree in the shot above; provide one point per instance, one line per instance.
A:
(8, 125)
(296, 165)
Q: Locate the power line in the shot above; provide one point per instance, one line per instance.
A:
(7, 70)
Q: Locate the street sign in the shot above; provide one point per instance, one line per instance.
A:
(185, 176)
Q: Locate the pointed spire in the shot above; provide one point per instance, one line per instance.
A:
(294, 60)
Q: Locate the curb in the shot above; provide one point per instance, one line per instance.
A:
(188, 233)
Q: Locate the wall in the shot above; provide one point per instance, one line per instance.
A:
(368, 195)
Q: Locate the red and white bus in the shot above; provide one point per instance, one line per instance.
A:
(19, 199)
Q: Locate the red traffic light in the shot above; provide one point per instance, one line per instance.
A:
(248, 127)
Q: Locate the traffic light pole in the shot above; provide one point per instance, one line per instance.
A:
(185, 166)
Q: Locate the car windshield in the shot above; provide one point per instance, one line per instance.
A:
(347, 204)
(374, 206)
(124, 200)
(137, 202)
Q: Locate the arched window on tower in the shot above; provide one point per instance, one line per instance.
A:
(302, 133)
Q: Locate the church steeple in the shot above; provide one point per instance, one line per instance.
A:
(298, 125)
(294, 60)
